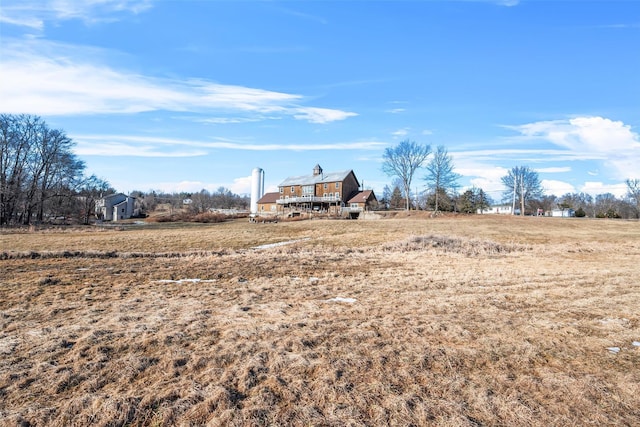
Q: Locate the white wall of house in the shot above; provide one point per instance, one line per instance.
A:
(566, 213)
(115, 207)
(499, 209)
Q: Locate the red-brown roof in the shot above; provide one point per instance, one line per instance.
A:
(269, 198)
(362, 197)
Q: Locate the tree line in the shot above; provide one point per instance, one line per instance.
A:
(522, 188)
(42, 180)
(40, 176)
(193, 203)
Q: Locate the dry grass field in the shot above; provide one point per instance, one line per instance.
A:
(448, 321)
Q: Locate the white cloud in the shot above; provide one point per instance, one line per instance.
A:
(144, 146)
(561, 169)
(508, 3)
(34, 13)
(400, 133)
(594, 188)
(558, 188)
(396, 110)
(593, 138)
(320, 115)
(241, 185)
(487, 177)
(45, 79)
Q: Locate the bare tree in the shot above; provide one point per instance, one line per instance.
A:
(402, 161)
(15, 136)
(522, 183)
(607, 206)
(34, 162)
(90, 189)
(440, 175)
(633, 193)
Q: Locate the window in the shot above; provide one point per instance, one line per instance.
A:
(281, 189)
(326, 185)
(337, 185)
(354, 205)
(337, 195)
(307, 190)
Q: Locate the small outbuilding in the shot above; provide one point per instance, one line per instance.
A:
(563, 213)
(361, 201)
(268, 204)
(499, 210)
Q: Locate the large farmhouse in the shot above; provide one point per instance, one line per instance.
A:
(335, 193)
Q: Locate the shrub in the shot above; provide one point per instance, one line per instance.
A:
(209, 217)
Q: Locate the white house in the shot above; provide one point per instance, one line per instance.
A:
(115, 207)
(499, 209)
(563, 213)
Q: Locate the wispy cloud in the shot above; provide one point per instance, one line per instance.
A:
(508, 3)
(561, 169)
(619, 26)
(146, 146)
(34, 13)
(320, 115)
(305, 16)
(55, 79)
(400, 133)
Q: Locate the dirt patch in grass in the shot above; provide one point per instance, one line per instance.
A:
(444, 321)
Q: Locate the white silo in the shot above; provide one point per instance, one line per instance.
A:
(257, 188)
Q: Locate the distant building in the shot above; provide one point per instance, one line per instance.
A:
(267, 204)
(499, 209)
(115, 207)
(563, 213)
(336, 193)
(361, 201)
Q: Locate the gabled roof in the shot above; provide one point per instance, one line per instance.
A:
(110, 196)
(317, 179)
(269, 198)
(362, 197)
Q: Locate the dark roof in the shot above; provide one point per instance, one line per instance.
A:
(269, 198)
(317, 179)
(362, 196)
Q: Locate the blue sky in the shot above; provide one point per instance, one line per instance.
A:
(190, 95)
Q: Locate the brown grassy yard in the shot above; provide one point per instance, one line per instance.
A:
(454, 321)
